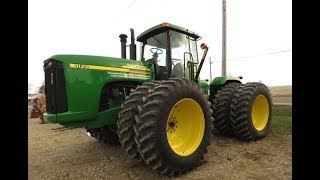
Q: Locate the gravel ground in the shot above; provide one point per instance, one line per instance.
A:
(71, 154)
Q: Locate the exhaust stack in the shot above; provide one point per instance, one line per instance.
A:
(123, 40)
(133, 47)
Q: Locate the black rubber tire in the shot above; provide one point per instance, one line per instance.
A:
(150, 128)
(241, 109)
(221, 108)
(107, 135)
(126, 120)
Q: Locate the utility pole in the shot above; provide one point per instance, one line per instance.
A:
(210, 68)
(224, 29)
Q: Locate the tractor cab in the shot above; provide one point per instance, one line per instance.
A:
(171, 49)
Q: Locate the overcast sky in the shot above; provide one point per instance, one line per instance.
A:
(259, 32)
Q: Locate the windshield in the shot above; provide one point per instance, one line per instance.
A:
(155, 49)
(182, 44)
(183, 50)
(178, 61)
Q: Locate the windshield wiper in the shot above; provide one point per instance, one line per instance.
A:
(159, 42)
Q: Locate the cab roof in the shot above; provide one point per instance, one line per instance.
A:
(162, 28)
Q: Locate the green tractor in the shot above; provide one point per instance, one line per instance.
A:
(157, 108)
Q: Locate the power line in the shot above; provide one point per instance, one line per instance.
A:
(132, 3)
(246, 57)
(275, 52)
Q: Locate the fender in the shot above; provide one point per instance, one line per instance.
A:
(221, 81)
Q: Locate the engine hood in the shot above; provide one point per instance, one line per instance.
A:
(101, 63)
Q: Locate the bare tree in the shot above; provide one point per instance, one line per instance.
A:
(41, 89)
(30, 85)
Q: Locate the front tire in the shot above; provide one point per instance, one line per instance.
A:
(173, 127)
(126, 121)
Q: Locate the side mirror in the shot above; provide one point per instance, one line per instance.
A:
(203, 46)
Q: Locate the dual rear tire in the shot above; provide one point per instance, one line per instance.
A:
(251, 111)
(244, 111)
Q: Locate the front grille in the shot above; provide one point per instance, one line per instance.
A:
(55, 87)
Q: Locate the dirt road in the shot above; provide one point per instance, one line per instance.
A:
(71, 154)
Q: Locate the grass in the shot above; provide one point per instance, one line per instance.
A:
(281, 119)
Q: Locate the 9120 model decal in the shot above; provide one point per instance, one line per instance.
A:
(135, 69)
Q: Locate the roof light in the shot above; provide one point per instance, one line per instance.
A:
(165, 24)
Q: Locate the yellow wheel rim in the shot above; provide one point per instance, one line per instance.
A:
(185, 127)
(260, 112)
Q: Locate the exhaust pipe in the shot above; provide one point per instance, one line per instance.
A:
(133, 47)
(123, 40)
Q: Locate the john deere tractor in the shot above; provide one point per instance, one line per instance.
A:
(157, 108)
